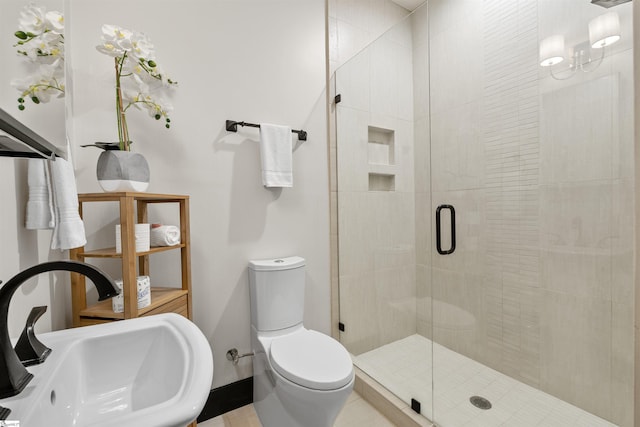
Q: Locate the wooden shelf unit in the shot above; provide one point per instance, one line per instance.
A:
(134, 210)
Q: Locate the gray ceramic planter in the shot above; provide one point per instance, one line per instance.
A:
(122, 171)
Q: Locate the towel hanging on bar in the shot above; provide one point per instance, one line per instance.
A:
(232, 126)
(276, 155)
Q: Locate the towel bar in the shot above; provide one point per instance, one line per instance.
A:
(232, 126)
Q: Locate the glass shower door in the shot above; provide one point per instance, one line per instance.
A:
(532, 312)
(383, 306)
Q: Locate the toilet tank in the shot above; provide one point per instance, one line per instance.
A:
(277, 293)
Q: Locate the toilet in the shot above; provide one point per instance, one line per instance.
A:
(301, 378)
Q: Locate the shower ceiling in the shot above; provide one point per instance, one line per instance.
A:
(411, 5)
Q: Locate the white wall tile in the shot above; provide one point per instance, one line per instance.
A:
(353, 82)
(576, 140)
(622, 363)
(572, 327)
(456, 143)
(352, 140)
(384, 78)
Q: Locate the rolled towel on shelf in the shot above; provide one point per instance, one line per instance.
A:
(165, 235)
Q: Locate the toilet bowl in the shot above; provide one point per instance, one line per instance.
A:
(301, 377)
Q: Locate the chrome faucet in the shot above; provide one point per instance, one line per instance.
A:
(13, 375)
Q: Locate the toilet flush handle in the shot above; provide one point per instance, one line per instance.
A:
(234, 356)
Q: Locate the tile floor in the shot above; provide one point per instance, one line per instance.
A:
(404, 367)
(357, 412)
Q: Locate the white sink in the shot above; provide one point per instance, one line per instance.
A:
(152, 371)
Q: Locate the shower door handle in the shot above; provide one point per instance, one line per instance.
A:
(439, 232)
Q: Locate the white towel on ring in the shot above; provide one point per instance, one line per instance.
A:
(164, 235)
(276, 153)
(53, 202)
(69, 229)
(39, 213)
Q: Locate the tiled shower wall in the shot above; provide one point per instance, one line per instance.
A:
(352, 25)
(376, 198)
(422, 169)
(541, 174)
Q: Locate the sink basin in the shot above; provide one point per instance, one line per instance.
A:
(151, 371)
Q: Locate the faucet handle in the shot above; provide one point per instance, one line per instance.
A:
(29, 349)
(4, 413)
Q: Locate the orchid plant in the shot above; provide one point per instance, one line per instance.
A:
(41, 41)
(138, 77)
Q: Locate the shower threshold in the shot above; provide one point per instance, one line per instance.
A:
(404, 368)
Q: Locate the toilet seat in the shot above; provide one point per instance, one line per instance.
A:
(312, 360)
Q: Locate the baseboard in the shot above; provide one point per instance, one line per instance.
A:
(227, 398)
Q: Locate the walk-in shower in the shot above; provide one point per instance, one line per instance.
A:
(485, 213)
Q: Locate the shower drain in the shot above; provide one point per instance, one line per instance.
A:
(480, 402)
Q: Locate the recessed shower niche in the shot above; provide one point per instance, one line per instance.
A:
(381, 158)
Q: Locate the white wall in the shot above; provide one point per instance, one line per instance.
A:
(243, 60)
(23, 248)
(260, 61)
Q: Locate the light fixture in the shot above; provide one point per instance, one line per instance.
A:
(552, 50)
(604, 30)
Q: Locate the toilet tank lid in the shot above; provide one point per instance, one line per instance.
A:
(277, 263)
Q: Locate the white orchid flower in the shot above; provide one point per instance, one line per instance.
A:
(115, 41)
(140, 84)
(134, 90)
(157, 107)
(40, 39)
(110, 49)
(132, 68)
(41, 86)
(53, 71)
(22, 85)
(129, 96)
(55, 22)
(46, 44)
(117, 35)
(163, 106)
(159, 75)
(137, 76)
(142, 97)
(32, 19)
(30, 50)
(141, 47)
(49, 43)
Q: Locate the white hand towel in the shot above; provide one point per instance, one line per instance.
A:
(39, 206)
(69, 230)
(276, 153)
(165, 235)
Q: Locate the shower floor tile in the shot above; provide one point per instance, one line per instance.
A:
(404, 368)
